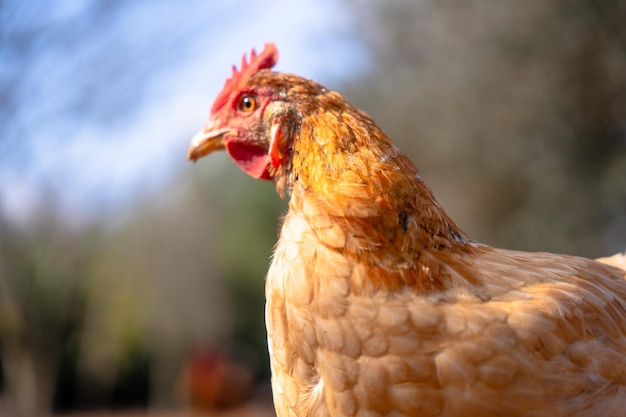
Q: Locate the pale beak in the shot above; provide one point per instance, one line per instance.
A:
(206, 141)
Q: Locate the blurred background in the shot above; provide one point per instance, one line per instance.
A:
(131, 279)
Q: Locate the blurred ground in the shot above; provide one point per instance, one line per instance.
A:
(250, 410)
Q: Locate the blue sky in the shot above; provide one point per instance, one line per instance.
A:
(105, 101)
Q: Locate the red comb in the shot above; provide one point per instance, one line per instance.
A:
(266, 59)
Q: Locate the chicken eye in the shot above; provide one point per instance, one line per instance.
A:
(247, 104)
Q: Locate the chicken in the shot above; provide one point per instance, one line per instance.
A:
(212, 379)
(378, 304)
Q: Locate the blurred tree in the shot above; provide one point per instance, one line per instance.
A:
(163, 290)
(514, 111)
(42, 302)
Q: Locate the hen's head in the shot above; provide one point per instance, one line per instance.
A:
(256, 117)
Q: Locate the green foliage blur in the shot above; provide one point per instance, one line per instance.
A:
(515, 113)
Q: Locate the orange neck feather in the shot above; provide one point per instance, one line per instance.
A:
(349, 169)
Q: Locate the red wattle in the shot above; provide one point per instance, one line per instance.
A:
(252, 159)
